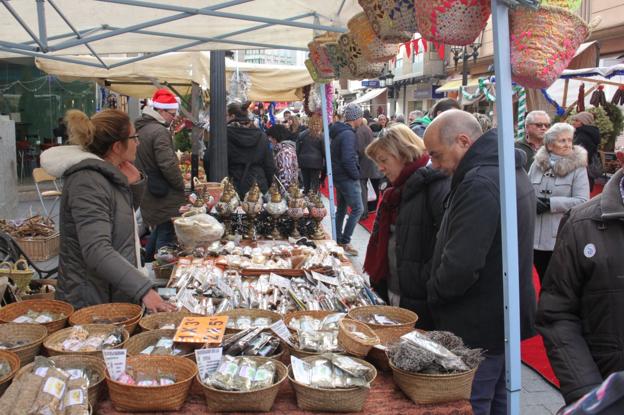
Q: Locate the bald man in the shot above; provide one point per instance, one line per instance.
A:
(465, 288)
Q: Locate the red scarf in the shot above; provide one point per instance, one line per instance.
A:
(376, 263)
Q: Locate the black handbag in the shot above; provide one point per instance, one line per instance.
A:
(156, 183)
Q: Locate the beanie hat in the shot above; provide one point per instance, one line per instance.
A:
(352, 112)
(586, 118)
(164, 99)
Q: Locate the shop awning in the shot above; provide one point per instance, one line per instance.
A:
(373, 93)
(454, 84)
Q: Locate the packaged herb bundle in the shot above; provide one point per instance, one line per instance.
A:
(36, 317)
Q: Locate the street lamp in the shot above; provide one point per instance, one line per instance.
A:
(462, 53)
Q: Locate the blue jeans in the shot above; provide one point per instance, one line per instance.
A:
(162, 235)
(489, 393)
(349, 195)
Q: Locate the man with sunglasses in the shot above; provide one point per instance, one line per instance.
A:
(157, 158)
(536, 125)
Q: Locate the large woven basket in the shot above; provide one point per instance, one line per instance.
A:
(40, 248)
(33, 334)
(387, 333)
(131, 398)
(331, 400)
(52, 341)
(14, 362)
(394, 21)
(249, 312)
(131, 312)
(260, 400)
(359, 67)
(319, 55)
(543, 42)
(339, 61)
(15, 310)
(316, 77)
(141, 341)
(353, 344)
(453, 22)
(21, 277)
(373, 48)
(71, 361)
(424, 388)
(154, 321)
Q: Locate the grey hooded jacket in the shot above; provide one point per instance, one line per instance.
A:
(99, 252)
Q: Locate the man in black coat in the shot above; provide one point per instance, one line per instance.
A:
(465, 289)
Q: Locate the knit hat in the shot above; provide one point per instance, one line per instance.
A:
(165, 100)
(585, 118)
(352, 112)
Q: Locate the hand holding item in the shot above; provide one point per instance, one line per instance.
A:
(154, 303)
(543, 205)
(132, 173)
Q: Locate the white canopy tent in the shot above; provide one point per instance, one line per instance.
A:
(565, 89)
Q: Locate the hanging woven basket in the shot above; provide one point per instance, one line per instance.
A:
(566, 4)
(319, 55)
(373, 48)
(358, 66)
(394, 21)
(339, 61)
(453, 22)
(543, 43)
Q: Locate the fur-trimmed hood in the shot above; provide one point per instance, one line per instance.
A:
(565, 165)
(57, 160)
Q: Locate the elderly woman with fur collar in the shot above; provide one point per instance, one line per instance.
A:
(559, 176)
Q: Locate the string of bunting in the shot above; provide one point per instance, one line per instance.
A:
(415, 45)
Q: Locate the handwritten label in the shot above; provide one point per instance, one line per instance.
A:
(282, 331)
(324, 278)
(279, 281)
(208, 361)
(201, 330)
(115, 360)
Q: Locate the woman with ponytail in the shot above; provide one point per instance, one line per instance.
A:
(99, 261)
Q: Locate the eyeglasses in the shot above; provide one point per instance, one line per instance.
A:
(541, 124)
(172, 113)
(134, 137)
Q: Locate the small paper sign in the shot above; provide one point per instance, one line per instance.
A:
(279, 281)
(115, 360)
(324, 278)
(208, 361)
(282, 331)
(201, 329)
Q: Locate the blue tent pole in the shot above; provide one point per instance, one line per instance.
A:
(330, 175)
(507, 177)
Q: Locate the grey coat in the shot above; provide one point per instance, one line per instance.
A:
(156, 153)
(565, 184)
(99, 244)
(368, 169)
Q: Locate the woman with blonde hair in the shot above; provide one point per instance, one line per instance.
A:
(311, 153)
(99, 259)
(411, 210)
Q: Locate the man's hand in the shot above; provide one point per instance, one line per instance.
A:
(154, 303)
(132, 173)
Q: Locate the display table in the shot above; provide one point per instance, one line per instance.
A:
(385, 398)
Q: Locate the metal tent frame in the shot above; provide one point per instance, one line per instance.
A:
(41, 46)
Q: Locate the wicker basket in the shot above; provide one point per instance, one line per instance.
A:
(53, 340)
(141, 341)
(33, 334)
(358, 66)
(339, 61)
(252, 313)
(14, 310)
(14, 362)
(131, 398)
(428, 388)
(387, 333)
(131, 312)
(394, 21)
(260, 400)
(331, 400)
(153, 321)
(373, 48)
(353, 344)
(69, 361)
(319, 55)
(316, 77)
(21, 277)
(453, 22)
(543, 42)
(40, 248)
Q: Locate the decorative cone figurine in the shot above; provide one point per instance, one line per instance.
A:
(226, 206)
(296, 207)
(276, 207)
(252, 205)
(317, 213)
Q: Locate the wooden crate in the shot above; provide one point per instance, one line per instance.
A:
(40, 248)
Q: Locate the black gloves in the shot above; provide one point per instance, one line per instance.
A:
(543, 205)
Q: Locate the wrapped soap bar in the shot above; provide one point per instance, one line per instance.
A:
(163, 347)
(322, 374)
(243, 380)
(265, 376)
(77, 399)
(349, 365)
(223, 377)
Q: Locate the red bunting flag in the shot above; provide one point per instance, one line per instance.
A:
(407, 48)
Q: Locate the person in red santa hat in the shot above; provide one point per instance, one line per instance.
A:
(156, 157)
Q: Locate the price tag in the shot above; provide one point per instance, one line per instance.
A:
(324, 278)
(282, 331)
(201, 330)
(279, 281)
(208, 361)
(115, 360)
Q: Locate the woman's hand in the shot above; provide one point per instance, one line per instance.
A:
(132, 173)
(154, 303)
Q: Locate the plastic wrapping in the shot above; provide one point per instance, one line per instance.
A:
(196, 230)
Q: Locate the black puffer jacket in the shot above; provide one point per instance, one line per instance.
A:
(310, 151)
(420, 215)
(581, 305)
(465, 290)
(99, 252)
(344, 154)
(588, 137)
(249, 159)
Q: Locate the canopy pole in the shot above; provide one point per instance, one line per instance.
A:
(218, 134)
(41, 19)
(24, 25)
(328, 162)
(509, 225)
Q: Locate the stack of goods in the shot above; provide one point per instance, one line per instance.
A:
(163, 320)
(38, 317)
(33, 226)
(331, 371)
(164, 261)
(242, 374)
(251, 342)
(137, 377)
(316, 335)
(48, 390)
(79, 339)
(246, 322)
(158, 343)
